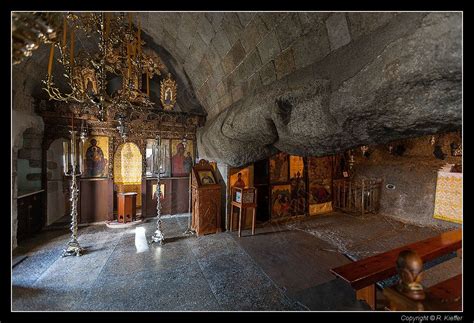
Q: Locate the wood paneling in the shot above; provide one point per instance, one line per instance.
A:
(30, 215)
(176, 198)
(96, 200)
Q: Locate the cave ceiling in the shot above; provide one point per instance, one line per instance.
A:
(304, 83)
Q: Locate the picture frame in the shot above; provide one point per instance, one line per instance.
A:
(96, 158)
(168, 93)
(206, 177)
(182, 158)
(281, 201)
(279, 168)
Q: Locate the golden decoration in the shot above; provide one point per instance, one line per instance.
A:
(168, 93)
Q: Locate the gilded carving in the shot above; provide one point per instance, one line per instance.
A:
(168, 93)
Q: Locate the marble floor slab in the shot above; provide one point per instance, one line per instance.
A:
(283, 267)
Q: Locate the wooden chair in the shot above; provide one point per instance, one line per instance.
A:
(363, 274)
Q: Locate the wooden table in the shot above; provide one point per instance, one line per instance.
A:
(127, 206)
(243, 204)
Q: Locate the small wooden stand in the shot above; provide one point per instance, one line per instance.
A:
(243, 198)
(206, 199)
(127, 206)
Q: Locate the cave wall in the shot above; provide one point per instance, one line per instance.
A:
(400, 78)
(414, 175)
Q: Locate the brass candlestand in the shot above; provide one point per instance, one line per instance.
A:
(158, 236)
(73, 247)
(189, 229)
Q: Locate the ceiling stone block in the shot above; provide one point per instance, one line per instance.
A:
(232, 27)
(272, 19)
(269, 47)
(288, 30)
(221, 43)
(267, 73)
(338, 31)
(284, 63)
(253, 33)
(204, 28)
(362, 23)
(245, 17)
(311, 47)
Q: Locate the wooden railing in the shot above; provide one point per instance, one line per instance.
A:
(357, 196)
(363, 274)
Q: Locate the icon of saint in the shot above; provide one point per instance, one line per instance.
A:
(95, 160)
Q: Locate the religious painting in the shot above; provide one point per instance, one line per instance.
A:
(240, 179)
(182, 160)
(448, 197)
(320, 182)
(206, 177)
(279, 168)
(162, 191)
(281, 195)
(128, 164)
(96, 156)
(298, 186)
(248, 196)
(152, 161)
(168, 93)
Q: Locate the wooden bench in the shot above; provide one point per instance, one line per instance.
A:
(445, 296)
(363, 274)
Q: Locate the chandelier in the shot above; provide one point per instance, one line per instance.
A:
(107, 73)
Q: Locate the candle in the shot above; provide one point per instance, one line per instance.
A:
(73, 150)
(107, 24)
(64, 32)
(65, 159)
(147, 83)
(139, 39)
(72, 49)
(128, 60)
(81, 166)
(50, 64)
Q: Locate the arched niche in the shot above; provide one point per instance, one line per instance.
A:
(57, 188)
(128, 169)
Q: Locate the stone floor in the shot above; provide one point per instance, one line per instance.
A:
(284, 267)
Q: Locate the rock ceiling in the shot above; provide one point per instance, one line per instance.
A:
(306, 83)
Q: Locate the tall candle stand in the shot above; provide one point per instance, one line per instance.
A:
(73, 246)
(189, 229)
(158, 236)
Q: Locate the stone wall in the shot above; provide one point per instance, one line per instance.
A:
(23, 118)
(413, 174)
(29, 161)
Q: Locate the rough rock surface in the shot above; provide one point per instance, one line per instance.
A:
(402, 80)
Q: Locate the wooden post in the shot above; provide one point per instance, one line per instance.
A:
(368, 294)
(253, 221)
(231, 216)
(240, 220)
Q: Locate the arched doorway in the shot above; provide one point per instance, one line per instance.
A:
(128, 170)
(58, 205)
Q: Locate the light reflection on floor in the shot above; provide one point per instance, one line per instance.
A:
(140, 240)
